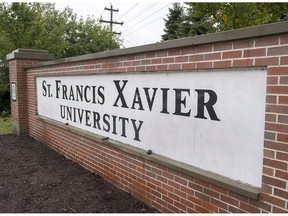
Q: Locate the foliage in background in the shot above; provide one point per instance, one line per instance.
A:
(41, 26)
(201, 18)
(5, 125)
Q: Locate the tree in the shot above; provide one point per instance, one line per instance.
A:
(174, 23)
(232, 15)
(202, 18)
(180, 24)
(41, 26)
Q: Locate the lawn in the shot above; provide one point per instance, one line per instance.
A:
(6, 125)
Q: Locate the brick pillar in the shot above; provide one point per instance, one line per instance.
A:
(18, 59)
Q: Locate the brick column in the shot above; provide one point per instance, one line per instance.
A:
(18, 59)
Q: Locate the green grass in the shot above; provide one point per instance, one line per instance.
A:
(6, 125)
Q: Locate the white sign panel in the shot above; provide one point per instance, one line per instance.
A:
(14, 91)
(210, 120)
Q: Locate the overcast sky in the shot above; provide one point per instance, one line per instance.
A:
(143, 21)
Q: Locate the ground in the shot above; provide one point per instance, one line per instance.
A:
(36, 179)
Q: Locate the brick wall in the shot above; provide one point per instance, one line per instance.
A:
(167, 189)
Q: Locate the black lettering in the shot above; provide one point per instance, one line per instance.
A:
(179, 102)
(49, 90)
(44, 92)
(123, 125)
(69, 113)
(150, 100)
(120, 93)
(71, 96)
(85, 93)
(64, 89)
(136, 129)
(106, 122)
(88, 121)
(80, 114)
(96, 117)
(79, 93)
(58, 84)
(74, 111)
(137, 100)
(114, 124)
(101, 95)
(62, 111)
(164, 100)
(209, 104)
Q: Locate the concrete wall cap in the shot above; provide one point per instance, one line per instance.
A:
(237, 34)
(30, 54)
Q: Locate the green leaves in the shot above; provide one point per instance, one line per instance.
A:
(202, 18)
(40, 26)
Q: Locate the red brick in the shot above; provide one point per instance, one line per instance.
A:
(229, 200)
(181, 59)
(274, 182)
(242, 63)
(243, 44)
(174, 67)
(174, 52)
(282, 174)
(278, 210)
(232, 209)
(284, 80)
(271, 99)
(189, 66)
(181, 181)
(173, 208)
(180, 205)
(232, 55)
(283, 119)
(249, 208)
(269, 154)
(151, 68)
(211, 193)
(162, 67)
(204, 65)
(197, 49)
(276, 127)
(254, 52)
(281, 193)
(283, 99)
(210, 207)
(284, 39)
(156, 61)
(150, 55)
(282, 156)
(212, 56)
(275, 164)
(278, 51)
(268, 171)
(277, 71)
(267, 41)
(161, 53)
(199, 209)
(277, 89)
(267, 61)
(222, 64)
(202, 196)
(168, 60)
(273, 200)
(272, 80)
(194, 200)
(222, 46)
(219, 203)
(283, 138)
(270, 118)
(277, 108)
(193, 58)
(284, 60)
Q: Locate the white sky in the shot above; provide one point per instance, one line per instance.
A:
(143, 21)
